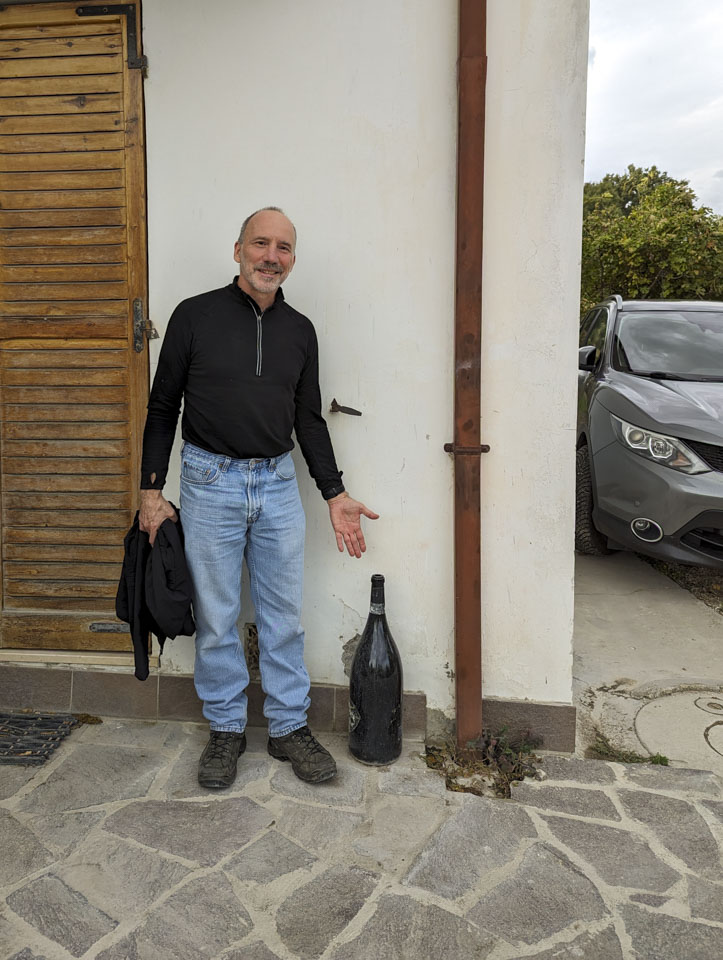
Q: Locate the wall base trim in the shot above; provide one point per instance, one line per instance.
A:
(554, 722)
(63, 689)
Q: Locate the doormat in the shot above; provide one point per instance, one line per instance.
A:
(30, 738)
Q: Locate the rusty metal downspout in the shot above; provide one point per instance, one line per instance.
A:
(466, 449)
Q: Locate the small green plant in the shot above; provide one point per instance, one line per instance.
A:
(496, 758)
(602, 749)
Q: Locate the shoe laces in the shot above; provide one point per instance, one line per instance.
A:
(308, 740)
(219, 744)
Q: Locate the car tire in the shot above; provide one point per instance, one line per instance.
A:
(588, 539)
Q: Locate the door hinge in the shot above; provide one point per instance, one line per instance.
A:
(135, 62)
(141, 325)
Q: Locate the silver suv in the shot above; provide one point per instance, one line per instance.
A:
(650, 430)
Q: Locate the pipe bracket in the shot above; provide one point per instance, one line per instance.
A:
(466, 451)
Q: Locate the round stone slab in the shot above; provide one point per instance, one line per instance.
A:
(685, 727)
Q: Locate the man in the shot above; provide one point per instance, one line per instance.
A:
(246, 365)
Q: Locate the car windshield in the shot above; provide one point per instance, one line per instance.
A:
(679, 345)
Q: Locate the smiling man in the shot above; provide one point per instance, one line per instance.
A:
(246, 365)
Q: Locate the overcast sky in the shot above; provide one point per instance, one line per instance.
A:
(655, 91)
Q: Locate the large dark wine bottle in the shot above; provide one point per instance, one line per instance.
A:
(375, 688)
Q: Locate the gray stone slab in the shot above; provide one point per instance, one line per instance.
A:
(578, 802)
(12, 778)
(578, 771)
(61, 914)
(147, 734)
(317, 828)
(545, 895)
(197, 922)
(398, 829)
(603, 945)
(203, 832)
(346, 789)
(254, 951)
(484, 834)
(183, 778)
(620, 857)
(120, 878)
(95, 774)
(403, 928)
(705, 899)
(656, 936)
(314, 914)
(676, 779)
(22, 852)
(649, 899)
(418, 781)
(679, 826)
(268, 858)
(64, 831)
(715, 807)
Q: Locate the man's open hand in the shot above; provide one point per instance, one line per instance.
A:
(345, 515)
(153, 511)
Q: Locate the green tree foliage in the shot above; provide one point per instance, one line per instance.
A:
(644, 237)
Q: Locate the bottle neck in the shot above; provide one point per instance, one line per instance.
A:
(377, 603)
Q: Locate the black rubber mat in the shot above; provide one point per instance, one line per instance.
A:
(30, 738)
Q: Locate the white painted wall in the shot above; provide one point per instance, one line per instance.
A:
(345, 115)
(537, 66)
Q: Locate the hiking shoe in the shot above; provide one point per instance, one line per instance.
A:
(309, 760)
(217, 766)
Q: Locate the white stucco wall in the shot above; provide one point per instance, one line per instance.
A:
(344, 114)
(537, 65)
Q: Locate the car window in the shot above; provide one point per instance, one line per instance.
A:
(675, 344)
(596, 333)
(587, 322)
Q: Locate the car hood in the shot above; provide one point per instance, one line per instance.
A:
(682, 408)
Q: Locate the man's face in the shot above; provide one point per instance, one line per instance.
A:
(266, 256)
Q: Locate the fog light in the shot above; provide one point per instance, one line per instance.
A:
(647, 530)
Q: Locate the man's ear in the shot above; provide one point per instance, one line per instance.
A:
(237, 252)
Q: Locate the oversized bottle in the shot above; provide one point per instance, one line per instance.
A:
(375, 688)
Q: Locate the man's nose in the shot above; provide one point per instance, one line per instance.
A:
(272, 254)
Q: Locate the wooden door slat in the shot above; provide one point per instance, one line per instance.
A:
(71, 465)
(38, 552)
(57, 519)
(66, 448)
(62, 571)
(65, 482)
(52, 142)
(63, 395)
(44, 31)
(85, 123)
(54, 377)
(55, 86)
(11, 292)
(62, 180)
(66, 274)
(60, 236)
(75, 254)
(54, 105)
(64, 431)
(102, 608)
(41, 357)
(61, 66)
(59, 46)
(60, 199)
(98, 536)
(59, 588)
(57, 326)
(67, 501)
(61, 161)
(25, 412)
(91, 217)
(66, 308)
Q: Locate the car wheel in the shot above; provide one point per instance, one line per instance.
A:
(588, 540)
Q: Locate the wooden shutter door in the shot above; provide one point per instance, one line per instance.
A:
(73, 388)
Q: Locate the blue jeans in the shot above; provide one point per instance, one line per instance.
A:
(231, 509)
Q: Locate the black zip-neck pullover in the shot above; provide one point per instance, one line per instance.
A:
(247, 378)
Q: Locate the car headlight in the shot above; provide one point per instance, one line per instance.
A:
(668, 451)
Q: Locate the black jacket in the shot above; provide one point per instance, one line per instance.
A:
(154, 592)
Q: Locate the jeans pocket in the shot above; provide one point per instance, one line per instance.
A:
(285, 469)
(198, 471)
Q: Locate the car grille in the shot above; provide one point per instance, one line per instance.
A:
(710, 452)
(708, 540)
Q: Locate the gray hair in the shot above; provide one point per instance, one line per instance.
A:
(250, 217)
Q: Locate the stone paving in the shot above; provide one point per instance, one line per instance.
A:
(112, 851)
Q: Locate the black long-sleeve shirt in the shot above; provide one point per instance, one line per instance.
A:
(247, 379)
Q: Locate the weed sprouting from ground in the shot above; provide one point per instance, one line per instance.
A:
(485, 766)
(602, 749)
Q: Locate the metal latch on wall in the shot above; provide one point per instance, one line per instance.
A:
(141, 325)
(128, 10)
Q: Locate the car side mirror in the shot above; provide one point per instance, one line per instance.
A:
(586, 358)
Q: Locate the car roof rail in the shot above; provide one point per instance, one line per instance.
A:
(617, 299)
